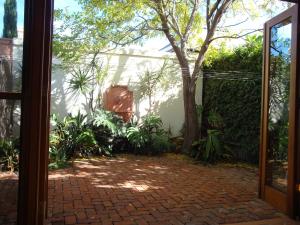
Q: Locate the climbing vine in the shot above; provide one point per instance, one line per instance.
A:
(232, 87)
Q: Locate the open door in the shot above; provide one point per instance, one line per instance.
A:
(279, 113)
(24, 113)
(36, 82)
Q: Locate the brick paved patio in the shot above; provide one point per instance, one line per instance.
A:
(141, 190)
(8, 198)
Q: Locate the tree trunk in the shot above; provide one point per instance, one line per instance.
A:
(191, 124)
(6, 106)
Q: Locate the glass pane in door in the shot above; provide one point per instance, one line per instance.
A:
(11, 44)
(9, 159)
(11, 53)
(278, 114)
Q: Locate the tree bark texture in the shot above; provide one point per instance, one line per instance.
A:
(6, 106)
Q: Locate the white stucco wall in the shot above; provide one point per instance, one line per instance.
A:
(124, 67)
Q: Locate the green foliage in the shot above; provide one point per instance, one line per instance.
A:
(80, 82)
(187, 25)
(247, 58)
(72, 137)
(10, 19)
(215, 120)
(232, 87)
(148, 137)
(104, 133)
(87, 81)
(97, 25)
(110, 131)
(9, 154)
(137, 137)
(58, 158)
(211, 147)
(109, 120)
(152, 124)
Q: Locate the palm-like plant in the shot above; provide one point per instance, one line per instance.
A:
(81, 81)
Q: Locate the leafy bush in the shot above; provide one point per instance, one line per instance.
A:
(148, 137)
(211, 147)
(110, 120)
(104, 133)
(72, 137)
(110, 132)
(9, 154)
(58, 158)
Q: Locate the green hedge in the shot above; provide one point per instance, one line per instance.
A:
(232, 87)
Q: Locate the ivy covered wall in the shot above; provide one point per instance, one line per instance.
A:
(232, 87)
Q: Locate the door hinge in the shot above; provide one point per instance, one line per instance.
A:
(298, 187)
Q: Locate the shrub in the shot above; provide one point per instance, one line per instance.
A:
(58, 158)
(104, 133)
(110, 131)
(211, 147)
(73, 137)
(9, 154)
(148, 137)
(109, 120)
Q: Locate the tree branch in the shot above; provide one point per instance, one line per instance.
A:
(166, 28)
(235, 36)
(236, 24)
(210, 33)
(214, 8)
(191, 20)
(174, 24)
(207, 15)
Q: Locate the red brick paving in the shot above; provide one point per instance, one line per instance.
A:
(8, 198)
(153, 191)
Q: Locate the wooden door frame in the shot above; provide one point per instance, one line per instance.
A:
(297, 157)
(32, 198)
(284, 202)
